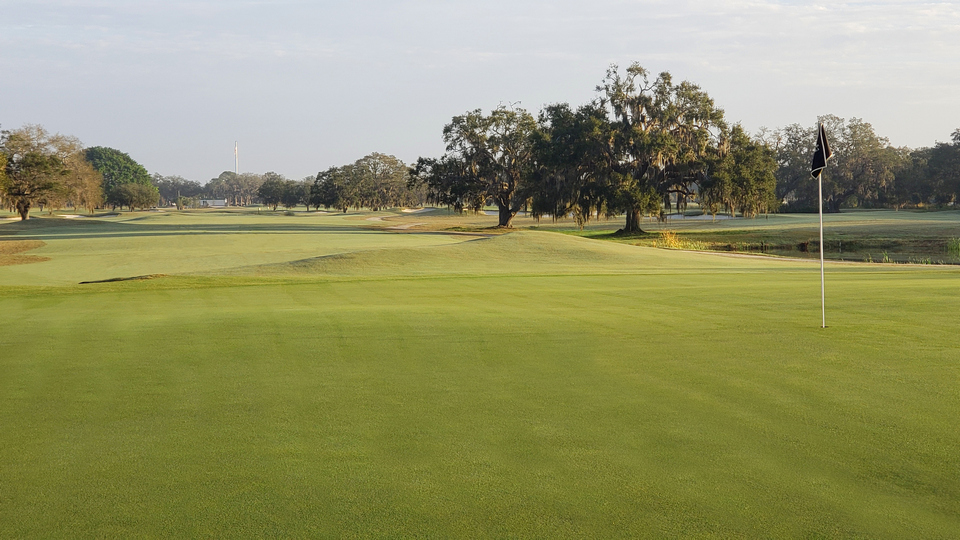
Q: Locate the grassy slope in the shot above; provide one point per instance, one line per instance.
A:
(854, 235)
(529, 384)
(164, 243)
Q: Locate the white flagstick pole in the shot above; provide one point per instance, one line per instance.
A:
(823, 307)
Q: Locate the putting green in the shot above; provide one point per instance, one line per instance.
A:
(532, 384)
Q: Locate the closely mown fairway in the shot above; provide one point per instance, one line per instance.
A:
(531, 384)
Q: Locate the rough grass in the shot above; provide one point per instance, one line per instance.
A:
(530, 384)
(11, 252)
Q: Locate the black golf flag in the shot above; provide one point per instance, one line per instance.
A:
(822, 154)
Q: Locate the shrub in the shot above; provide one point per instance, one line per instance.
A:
(672, 240)
(953, 247)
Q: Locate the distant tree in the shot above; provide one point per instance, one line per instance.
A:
(171, 188)
(34, 168)
(375, 181)
(329, 189)
(498, 153)
(794, 145)
(237, 189)
(864, 165)
(912, 182)
(575, 162)
(449, 182)
(382, 181)
(292, 194)
(184, 202)
(117, 168)
(272, 189)
(306, 188)
(3, 176)
(136, 195)
(665, 136)
(78, 185)
(742, 177)
(861, 171)
(83, 185)
(944, 170)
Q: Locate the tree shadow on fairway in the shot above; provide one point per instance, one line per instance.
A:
(63, 229)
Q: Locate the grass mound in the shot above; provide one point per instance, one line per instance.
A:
(516, 253)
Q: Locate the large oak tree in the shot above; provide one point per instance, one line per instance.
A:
(495, 152)
(43, 168)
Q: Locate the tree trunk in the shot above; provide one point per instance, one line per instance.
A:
(23, 208)
(633, 221)
(506, 215)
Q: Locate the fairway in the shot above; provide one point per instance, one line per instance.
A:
(321, 375)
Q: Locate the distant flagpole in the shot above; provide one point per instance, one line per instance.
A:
(820, 157)
(236, 157)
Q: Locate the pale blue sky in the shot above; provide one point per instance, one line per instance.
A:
(306, 85)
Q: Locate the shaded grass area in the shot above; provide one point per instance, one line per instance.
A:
(529, 384)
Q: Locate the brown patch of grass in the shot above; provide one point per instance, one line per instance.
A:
(10, 252)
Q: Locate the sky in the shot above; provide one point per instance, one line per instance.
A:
(302, 86)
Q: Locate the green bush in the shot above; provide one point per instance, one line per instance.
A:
(953, 247)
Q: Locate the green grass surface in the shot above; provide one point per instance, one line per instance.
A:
(530, 384)
(140, 243)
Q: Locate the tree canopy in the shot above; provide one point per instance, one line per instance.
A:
(237, 189)
(40, 168)
(173, 189)
(117, 168)
(375, 181)
(643, 144)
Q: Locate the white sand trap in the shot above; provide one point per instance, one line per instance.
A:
(406, 225)
(72, 216)
(374, 219)
(417, 210)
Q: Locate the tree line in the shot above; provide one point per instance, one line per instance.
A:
(866, 170)
(40, 169)
(645, 146)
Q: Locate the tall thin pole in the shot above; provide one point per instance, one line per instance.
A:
(236, 157)
(823, 306)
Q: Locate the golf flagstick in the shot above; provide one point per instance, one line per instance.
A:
(820, 157)
(823, 304)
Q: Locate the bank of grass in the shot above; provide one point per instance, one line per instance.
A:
(140, 243)
(864, 236)
(528, 384)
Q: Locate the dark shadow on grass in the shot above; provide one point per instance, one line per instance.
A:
(60, 229)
